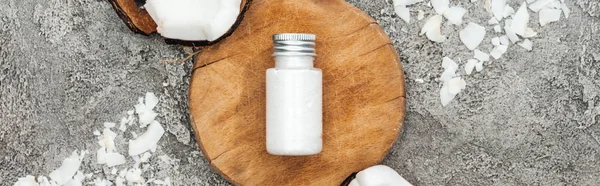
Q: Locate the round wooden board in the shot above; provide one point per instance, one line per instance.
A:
(363, 94)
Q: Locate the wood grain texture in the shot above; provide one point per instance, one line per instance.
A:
(363, 94)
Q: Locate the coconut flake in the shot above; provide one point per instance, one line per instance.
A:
(520, 20)
(445, 96)
(549, 15)
(134, 176)
(498, 8)
(380, 175)
(497, 29)
(508, 11)
(147, 140)
(498, 51)
(455, 85)
(565, 9)
(26, 181)
(496, 41)
(114, 159)
(479, 66)
(470, 66)
(403, 12)
(472, 35)
(450, 68)
(68, 168)
(108, 140)
(526, 44)
(420, 15)
(539, 4)
(146, 118)
(504, 40)
(101, 182)
(512, 36)
(96, 133)
(455, 15)
(493, 21)
(481, 56)
(76, 180)
(448, 63)
(101, 156)
(45, 182)
(432, 29)
(440, 6)
(529, 33)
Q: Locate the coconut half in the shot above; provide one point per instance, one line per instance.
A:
(185, 22)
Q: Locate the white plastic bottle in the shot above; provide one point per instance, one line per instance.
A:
(294, 97)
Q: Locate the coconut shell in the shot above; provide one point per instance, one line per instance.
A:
(139, 21)
(363, 94)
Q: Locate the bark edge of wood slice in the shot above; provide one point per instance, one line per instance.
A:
(363, 94)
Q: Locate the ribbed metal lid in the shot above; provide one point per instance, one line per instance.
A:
(294, 44)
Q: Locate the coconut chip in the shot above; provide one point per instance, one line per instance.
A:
(455, 15)
(67, 170)
(472, 35)
(479, 66)
(493, 21)
(440, 6)
(495, 41)
(26, 181)
(520, 20)
(147, 140)
(498, 51)
(432, 29)
(512, 36)
(114, 159)
(526, 44)
(403, 12)
(497, 29)
(470, 66)
(447, 93)
(529, 33)
(448, 78)
(549, 15)
(539, 4)
(481, 56)
(508, 11)
(504, 40)
(498, 8)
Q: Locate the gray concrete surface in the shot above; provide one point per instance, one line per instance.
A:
(530, 118)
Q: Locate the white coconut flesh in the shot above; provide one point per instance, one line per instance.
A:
(193, 20)
(379, 175)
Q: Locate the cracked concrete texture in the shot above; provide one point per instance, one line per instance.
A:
(530, 118)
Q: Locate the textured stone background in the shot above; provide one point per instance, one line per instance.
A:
(530, 118)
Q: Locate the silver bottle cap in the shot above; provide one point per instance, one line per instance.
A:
(294, 44)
